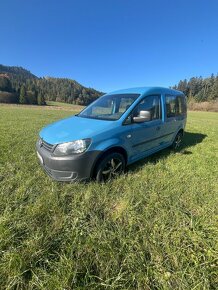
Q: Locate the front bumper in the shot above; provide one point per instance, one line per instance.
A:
(68, 168)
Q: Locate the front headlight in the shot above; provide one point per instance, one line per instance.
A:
(75, 147)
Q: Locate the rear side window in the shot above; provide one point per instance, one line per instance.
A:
(181, 105)
(175, 106)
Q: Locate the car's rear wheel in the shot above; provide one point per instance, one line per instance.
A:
(177, 141)
(110, 166)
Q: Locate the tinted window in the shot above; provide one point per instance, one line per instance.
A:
(181, 105)
(150, 103)
(175, 106)
(170, 106)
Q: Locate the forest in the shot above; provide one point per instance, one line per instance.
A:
(199, 89)
(18, 85)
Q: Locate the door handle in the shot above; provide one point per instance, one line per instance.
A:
(158, 128)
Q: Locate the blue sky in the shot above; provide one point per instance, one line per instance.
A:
(111, 44)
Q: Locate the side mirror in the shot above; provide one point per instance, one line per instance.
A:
(144, 116)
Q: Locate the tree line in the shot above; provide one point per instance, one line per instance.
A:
(25, 94)
(199, 89)
(18, 85)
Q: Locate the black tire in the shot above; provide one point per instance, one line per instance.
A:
(177, 141)
(110, 166)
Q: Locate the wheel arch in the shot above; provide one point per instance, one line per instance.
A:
(115, 149)
(181, 130)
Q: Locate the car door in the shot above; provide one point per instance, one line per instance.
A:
(172, 118)
(145, 136)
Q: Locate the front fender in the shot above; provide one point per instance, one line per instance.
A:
(110, 143)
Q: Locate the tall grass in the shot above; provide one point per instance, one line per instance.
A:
(211, 106)
(153, 228)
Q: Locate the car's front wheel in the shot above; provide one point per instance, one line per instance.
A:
(110, 166)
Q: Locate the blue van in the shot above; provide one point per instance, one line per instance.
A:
(114, 131)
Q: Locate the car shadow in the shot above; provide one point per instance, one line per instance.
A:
(189, 140)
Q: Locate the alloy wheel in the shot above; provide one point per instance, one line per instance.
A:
(112, 169)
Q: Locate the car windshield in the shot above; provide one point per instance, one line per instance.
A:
(109, 107)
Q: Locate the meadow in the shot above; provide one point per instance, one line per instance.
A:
(153, 228)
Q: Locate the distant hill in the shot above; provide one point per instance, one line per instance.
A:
(16, 70)
(31, 89)
(16, 73)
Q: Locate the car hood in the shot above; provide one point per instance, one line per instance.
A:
(73, 128)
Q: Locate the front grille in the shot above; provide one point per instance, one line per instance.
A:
(46, 145)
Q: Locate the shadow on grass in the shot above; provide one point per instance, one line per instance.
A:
(189, 140)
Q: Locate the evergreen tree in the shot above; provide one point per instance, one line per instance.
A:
(5, 84)
(41, 99)
(214, 91)
(22, 98)
(200, 89)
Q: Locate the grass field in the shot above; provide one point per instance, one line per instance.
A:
(153, 228)
(64, 105)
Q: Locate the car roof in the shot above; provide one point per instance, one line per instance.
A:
(147, 90)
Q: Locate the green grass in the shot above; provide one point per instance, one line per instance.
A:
(51, 103)
(153, 228)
